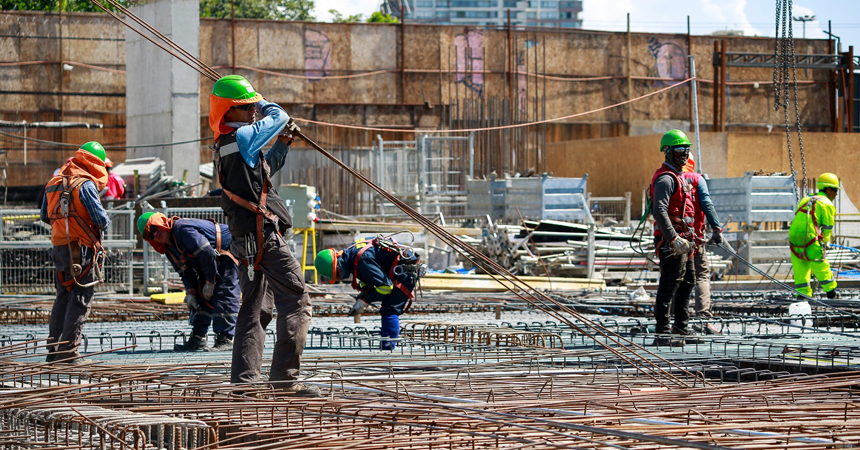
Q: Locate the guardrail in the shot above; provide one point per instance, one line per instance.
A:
(26, 266)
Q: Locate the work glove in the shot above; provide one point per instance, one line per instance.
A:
(208, 290)
(292, 127)
(717, 236)
(358, 307)
(681, 246)
(191, 301)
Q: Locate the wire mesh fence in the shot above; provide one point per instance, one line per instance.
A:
(615, 210)
(25, 253)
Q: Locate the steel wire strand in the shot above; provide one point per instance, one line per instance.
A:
(164, 38)
(161, 46)
(538, 299)
(461, 247)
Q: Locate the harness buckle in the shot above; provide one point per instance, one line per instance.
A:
(251, 253)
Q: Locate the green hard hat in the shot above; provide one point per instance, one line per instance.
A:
(234, 87)
(326, 264)
(673, 138)
(141, 221)
(95, 148)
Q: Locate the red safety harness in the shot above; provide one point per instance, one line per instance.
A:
(410, 294)
(800, 251)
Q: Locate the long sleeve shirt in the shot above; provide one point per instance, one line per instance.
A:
(90, 198)
(252, 138)
(194, 240)
(373, 271)
(707, 204)
(664, 188)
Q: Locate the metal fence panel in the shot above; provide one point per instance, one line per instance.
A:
(25, 253)
(397, 165)
(446, 164)
(753, 199)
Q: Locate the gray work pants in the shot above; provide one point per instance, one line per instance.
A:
(279, 283)
(703, 282)
(71, 306)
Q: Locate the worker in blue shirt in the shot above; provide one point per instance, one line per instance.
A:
(199, 252)
(383, 271)
(270, 276)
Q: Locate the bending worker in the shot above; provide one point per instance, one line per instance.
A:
(705, 214)
(116, 185)
(257, 218)
(382, 270)
(71, 206)
(199, 252)
(809, 236)
(673, 211)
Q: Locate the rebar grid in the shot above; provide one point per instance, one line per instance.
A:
(497, 397)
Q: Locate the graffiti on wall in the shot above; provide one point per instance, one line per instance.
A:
(670, 60)
(470, 59)
(522, 78)
(317, 53)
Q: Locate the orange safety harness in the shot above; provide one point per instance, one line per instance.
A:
(801, 251)
(65, 210)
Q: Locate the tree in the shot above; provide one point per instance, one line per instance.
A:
(260, 9)
(378, 17)
(244, 9)
(337, 17)
(54, 5)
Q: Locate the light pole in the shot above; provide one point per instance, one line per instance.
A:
(804, 19)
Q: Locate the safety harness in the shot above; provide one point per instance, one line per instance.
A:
(403, 256)
(679, 223)
(254, 249)
(801, 251)
(65, 210)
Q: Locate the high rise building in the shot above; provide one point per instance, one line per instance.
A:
(528, 13)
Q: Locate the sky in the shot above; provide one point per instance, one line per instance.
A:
(754, 17)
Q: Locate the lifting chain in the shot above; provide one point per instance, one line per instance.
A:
(785, 61)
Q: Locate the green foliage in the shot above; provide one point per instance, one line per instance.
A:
(337, 17)
(301, 10)
(244, 9)
(378, 17)
(54, 5)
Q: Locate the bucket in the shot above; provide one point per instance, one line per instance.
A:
(799, 309)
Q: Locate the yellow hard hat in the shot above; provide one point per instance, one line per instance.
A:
(827, 180)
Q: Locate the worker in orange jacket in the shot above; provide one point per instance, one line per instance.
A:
(71, 206)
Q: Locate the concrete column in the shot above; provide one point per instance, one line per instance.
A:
(162, 93)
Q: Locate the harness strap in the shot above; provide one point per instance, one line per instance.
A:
(809, 210)
(218, 244)
(361, 251)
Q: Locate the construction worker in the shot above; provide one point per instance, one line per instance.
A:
(116, 185)
(382, 270)
(705, 214)
(199, 252)
(674, 217)
(809, 236)
(257, 218)
(71, 206)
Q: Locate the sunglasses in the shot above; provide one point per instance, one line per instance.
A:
(681, 149)
(246, 107)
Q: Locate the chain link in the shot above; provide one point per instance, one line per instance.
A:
(785, 61)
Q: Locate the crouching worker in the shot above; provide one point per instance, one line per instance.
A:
(382, 270)
(198, 250)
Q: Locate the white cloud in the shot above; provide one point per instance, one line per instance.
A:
(813, 28)
(345, 7)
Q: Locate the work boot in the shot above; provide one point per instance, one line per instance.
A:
(304, 390)
(223, 343)
(196, 343)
